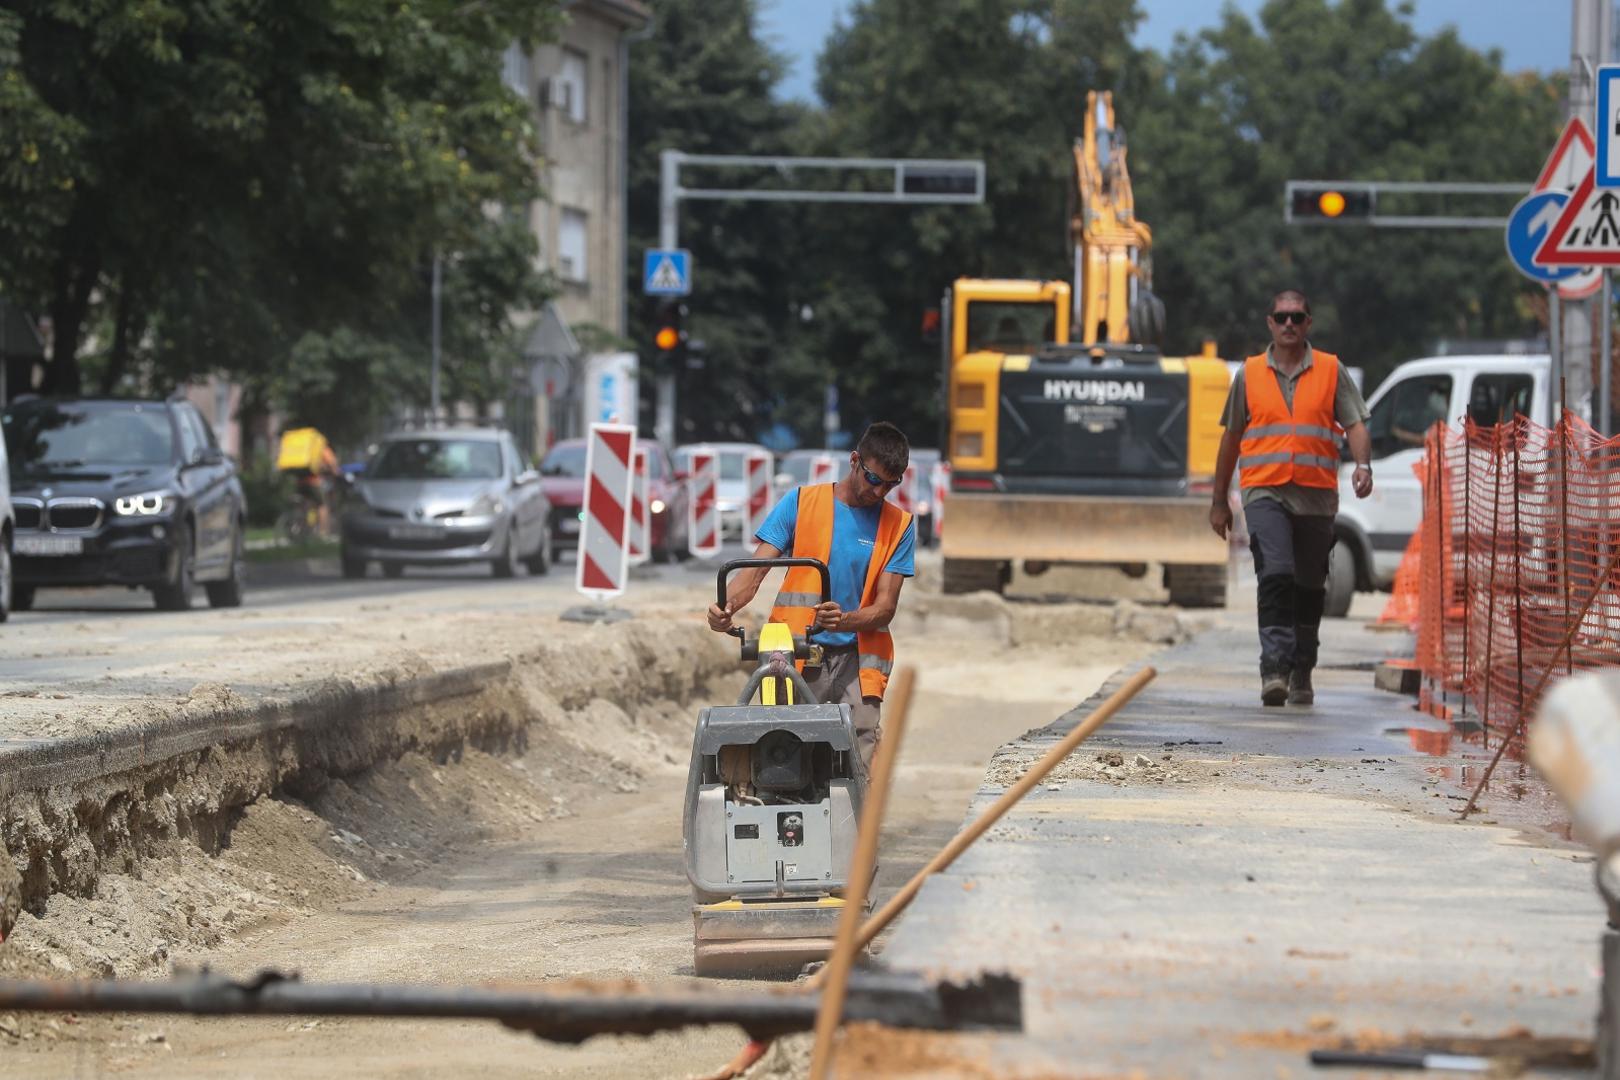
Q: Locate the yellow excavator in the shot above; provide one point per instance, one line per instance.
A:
(1071, 438)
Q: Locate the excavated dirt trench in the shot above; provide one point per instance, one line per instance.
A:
(526, 829)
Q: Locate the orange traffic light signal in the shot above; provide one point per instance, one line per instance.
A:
(669, 331)
(1309, 203)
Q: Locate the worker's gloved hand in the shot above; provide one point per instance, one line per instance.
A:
(1220, 519)
(719, 619)
(828, 615)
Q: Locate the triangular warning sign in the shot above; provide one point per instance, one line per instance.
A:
(666, 276)
(1588, 231)
(1570, 159)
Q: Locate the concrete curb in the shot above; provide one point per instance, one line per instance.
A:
(73, 809)
(40, 764)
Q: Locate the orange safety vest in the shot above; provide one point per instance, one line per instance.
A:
(1281, 447)
(801, 588)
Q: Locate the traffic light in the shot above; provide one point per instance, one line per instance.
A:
(1324, 204)
(669, 332)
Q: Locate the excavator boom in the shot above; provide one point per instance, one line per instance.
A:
(1112, 267)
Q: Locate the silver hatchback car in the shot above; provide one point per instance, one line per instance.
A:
(443, 497)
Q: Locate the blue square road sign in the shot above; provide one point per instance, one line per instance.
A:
(1606, 132)
(667, 272)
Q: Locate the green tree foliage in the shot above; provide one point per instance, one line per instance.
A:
(197, 185)
(1312, 89)
(1001, 80)
(702, 84)
(1331, 91)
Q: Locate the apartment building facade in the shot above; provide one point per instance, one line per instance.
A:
(578, 88)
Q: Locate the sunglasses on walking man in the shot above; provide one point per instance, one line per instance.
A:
(875, 480)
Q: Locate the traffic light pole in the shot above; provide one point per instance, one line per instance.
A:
(669, 172)
(910, 181)
(1298, 192)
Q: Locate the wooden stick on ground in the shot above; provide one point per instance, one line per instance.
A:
(1037, 772)
(846, 945)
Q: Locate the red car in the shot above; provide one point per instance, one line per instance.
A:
(562, 478)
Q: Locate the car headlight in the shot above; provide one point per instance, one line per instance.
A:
(485, 506)
(658, 506)
(146, 504)
(922, 509)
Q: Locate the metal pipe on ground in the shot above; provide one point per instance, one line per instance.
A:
(845, 947)
(572, 1013)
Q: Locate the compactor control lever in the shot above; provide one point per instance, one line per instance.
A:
(801, 643)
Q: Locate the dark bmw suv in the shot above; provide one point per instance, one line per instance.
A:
(133, 493)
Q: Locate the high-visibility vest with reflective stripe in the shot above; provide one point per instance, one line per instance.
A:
(801, 588)
(1282, 447)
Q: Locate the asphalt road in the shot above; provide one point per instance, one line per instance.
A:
(283, 584)
(90, 660)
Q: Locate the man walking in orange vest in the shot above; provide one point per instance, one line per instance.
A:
(1285, 407)
(868, 545)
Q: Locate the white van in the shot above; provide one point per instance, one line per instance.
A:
(1373, 532)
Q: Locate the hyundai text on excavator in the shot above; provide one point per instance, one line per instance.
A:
(1071, 438)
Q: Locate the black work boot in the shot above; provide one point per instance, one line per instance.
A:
(1273, 686)
(1300, 691)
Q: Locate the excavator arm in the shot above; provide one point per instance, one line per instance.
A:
(1113, 301)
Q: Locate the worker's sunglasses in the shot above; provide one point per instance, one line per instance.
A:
(1296, 317)
(874, 479)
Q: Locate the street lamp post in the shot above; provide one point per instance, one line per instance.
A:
(433, 378)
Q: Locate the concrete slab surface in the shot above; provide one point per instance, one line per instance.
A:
(1231, 885)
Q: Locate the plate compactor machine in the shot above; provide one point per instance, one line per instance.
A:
(772, 803)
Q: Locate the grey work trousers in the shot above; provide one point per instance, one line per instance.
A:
(838, 680)
(1291, 560)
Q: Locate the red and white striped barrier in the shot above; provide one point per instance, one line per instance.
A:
(939, 480)
(640, 511)
(604, 538)
(823, 469)
(904, 494)
(757, 468)
(703, 515)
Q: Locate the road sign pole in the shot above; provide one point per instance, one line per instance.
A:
(1555, 342)
(1575, 329)
(1605, 357)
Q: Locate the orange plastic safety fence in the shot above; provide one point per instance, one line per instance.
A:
(1402, 606)
(1521, 524)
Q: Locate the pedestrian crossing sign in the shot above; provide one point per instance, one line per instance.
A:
(667, 272)
(1587, 233)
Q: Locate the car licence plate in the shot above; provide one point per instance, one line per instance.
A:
(48, 545)
(413, 532)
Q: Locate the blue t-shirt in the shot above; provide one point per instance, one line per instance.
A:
(854, 532)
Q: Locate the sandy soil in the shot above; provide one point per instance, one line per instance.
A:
(563, 862)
